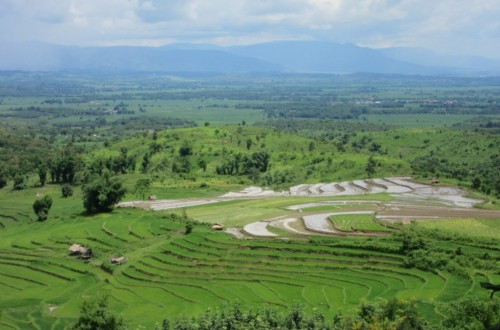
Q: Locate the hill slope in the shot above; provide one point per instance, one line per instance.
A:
(282, 56)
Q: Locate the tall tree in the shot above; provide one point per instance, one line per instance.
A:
(102, 192)
(370, 166)
(141, 187)
(42, 174)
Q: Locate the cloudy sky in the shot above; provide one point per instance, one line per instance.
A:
(445, 26)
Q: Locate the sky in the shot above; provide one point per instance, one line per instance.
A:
(446, 26)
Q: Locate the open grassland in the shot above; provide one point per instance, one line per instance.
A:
(168, 273)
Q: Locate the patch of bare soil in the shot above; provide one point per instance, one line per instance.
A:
(259, 229)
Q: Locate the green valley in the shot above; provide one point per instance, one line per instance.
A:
(329, 194)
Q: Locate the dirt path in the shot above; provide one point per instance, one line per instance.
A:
(287, 223)
(168, 204)
(259, 229)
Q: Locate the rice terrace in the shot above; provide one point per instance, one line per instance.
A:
(180, 200)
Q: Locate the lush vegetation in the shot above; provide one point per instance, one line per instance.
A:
(168, 273)
(76, 145)
(54, 120)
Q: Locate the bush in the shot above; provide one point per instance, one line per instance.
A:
(96, 315)
(101, 193)
(66, 190)
(189, 228)
(392, 314)
(19, 183)
(3, 181)
(108, 267)
(471, 313)
(41, 207)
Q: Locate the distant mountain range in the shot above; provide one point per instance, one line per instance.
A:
(273, 57)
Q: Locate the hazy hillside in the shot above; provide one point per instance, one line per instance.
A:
(320, 57)
(446, 63)
(283, 56)
(128, 59)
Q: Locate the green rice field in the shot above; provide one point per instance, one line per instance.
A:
(356, 222)
(168, 273)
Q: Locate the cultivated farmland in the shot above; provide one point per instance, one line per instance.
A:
(168, 273)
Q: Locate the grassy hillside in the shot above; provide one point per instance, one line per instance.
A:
(455, 155)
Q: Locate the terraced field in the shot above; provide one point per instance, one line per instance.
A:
(168, 273)
(363, 222)
(283, 256)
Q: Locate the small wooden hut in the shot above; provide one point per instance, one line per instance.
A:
(80, 251)
(217, 226)
(118, 260)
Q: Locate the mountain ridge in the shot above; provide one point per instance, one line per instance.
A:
(272, 57)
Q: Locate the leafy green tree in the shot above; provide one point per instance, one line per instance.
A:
(249, 143)
(476, 183)
(141, 187)
(391, 314)
(19, 183)
(411, 242)
(202, 163)
(371, 166)
(185, 150)
(381, 315)
(102, 192)
(42, 174)
(181, 165)
(472, 313)
(96, 315)
(42, 206)
(189, 228)
(64, 168)
(3, 180)
(146, 160)
(66, 190)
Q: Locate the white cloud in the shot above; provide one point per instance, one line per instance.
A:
(446, 25)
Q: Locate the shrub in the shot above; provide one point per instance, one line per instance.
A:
(3, 181)
(108, 267)
(41, 207)
(97, 316)
(19, 183)
(472, 313)
(189, 228)
(66, 190)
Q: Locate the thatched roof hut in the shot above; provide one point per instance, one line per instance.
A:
(118, 260)
(81, 251)
(217, 226)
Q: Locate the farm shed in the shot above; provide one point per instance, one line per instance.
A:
(217, 226)
(118, 260)
(81, 251)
